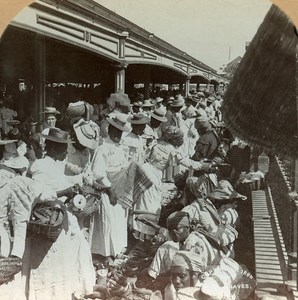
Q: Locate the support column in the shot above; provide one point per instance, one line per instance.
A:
(181, 88)
(187, 85)
(147, 83)
(120, 77)
(40, 93)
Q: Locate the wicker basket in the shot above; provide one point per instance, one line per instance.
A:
(9, 266)
(47, 230)
(92, 204)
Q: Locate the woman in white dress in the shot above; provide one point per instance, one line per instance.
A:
(108, 230)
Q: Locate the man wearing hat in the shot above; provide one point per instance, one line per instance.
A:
(50, 170)
(153, 129)
(201, 104)
(190, 111)
(210, 108)
(50, 119)
(173, 115)
(71, 251)
(134, 141)
(147, 106)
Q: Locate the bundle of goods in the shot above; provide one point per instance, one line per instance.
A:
(86, 202)
(251, 181)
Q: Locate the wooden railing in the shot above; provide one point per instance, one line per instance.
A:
(281, 178)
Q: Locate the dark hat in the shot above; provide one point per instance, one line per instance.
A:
(178, 102)
(57, 135)
(158, 114)
(119, 122)
(138, 119)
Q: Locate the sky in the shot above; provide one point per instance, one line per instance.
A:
(212, 31)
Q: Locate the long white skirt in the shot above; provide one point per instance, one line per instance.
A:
(56, 270)
(108, 228)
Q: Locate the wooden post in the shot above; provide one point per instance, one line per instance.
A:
(40, 93)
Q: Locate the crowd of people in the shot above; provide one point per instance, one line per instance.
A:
(84, 212)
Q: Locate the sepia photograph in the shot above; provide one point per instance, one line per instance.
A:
(148, 150)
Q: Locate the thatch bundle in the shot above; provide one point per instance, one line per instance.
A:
(260, 103)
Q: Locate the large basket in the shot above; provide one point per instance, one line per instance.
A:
(47, 228)
(9, 266)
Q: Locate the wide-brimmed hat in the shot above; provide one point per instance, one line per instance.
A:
(87, 133)
(200, 94)
(51, 110)
(138, 119)
(178, 102)
(57, 135)
(119, 122)
(138, 104)
(17, 162)
(210, 99)
(158, 114)
(158, 99)
(147, 103)
(6, 142)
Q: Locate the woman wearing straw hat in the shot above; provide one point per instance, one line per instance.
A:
(134, 141)
(108, 231)
(86, 137)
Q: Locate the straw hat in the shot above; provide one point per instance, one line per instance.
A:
(51, 110)
(147, 103)
(57, 135)
(138, 119)
(158, 99)
(158, 114)
(87, 133)
(119, 122)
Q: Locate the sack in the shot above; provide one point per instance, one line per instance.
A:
(46, 220)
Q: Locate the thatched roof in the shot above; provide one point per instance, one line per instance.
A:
(261, 105)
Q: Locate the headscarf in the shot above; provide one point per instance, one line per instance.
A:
(190, 261)
(203, 122)
(177, 218)
(198, 186)
(172, 135)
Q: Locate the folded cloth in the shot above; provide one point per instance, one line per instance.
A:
(129, 184)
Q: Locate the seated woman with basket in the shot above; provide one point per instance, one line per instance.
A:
(57, 260)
